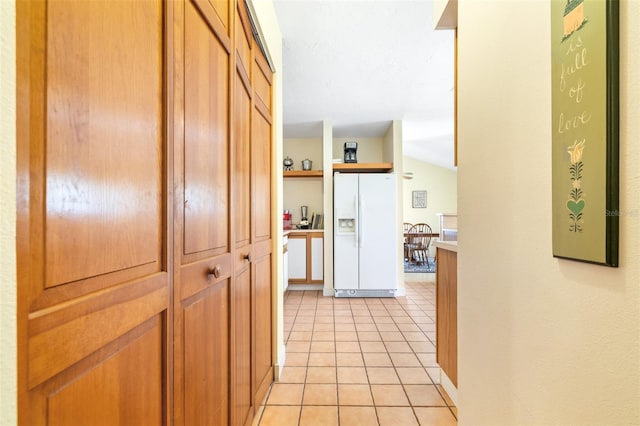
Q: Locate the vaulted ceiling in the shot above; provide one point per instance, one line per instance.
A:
(361, 64)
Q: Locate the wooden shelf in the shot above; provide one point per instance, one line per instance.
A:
(362, 167)
(303, 173)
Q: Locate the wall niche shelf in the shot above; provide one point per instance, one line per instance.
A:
(362, 167)
(302, 173)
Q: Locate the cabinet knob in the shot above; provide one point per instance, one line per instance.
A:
(247, 257)
(215, 271)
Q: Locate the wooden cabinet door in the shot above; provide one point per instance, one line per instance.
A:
(261, 185)
(94, 267)
(202, 247)
(242, 409)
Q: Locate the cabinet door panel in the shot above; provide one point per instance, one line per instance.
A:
(103, 138)
(206, 341)
(297, 257)
(261, 190)
(206, 150)
(93, 214)
(317, 256)
(202, 249)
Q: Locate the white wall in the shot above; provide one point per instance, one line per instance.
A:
(442, 190)
(8, 378)
(541, 340)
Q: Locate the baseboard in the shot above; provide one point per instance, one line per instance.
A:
(328, 292)
(400, 292)
(449, 387)
(277, 369)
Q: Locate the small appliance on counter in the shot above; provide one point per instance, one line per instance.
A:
(350, 149)
(286, 220)
(304, 220)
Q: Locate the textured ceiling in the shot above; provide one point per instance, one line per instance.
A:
(361, 64)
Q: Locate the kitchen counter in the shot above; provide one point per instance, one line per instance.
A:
(447, 245)
(300, 231)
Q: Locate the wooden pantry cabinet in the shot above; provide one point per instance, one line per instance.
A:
(306, 258)
(144, 213)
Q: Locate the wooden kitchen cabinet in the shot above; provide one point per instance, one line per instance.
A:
(306, 258)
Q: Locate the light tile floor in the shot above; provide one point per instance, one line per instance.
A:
(366, 361)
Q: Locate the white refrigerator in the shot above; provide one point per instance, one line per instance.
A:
(365, 236)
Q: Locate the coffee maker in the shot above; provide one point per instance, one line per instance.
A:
(350, 149)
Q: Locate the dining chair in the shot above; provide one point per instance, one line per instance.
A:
(406, 228)
(418, 244)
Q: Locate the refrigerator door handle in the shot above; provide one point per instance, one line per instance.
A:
(361, 220)
(356, 206)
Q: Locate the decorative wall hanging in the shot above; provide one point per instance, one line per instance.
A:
(584, 97)
(419, 199)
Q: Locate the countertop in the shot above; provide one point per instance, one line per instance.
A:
(301, 231)
(447, 245)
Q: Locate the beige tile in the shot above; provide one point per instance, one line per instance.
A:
(323, 336)
(358, 416)
(348, 347)
(435, 416)
(383, 320)
(349, 359)
(285, 394)
(424, 396)
(382, 376)
(323, 327)
(389, 395)
(325, 319)
(434, 373)
(369, 336)
(320, 394)
(387, 327)
(422, 346)
(398, 347)
(366, 327)
(322, 359)
(292, 374)
(377, 359)
(302, 327)
(308, 319)
(427, 359)
(415, 336)
(280, 416)
(319, 416)
(455, 411)
(298, 346)
(362, 319)
(346, 336)
(373, 347)
(321, 374)
(413, 376)
(352, 375)
(396, 416)
(300, 335)
(345, 327)
(296, 359)
(344, 320)
(404, 359)
(354, 395)
(402, 319)
(392, 336)
(408, 327)
(318, 346)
